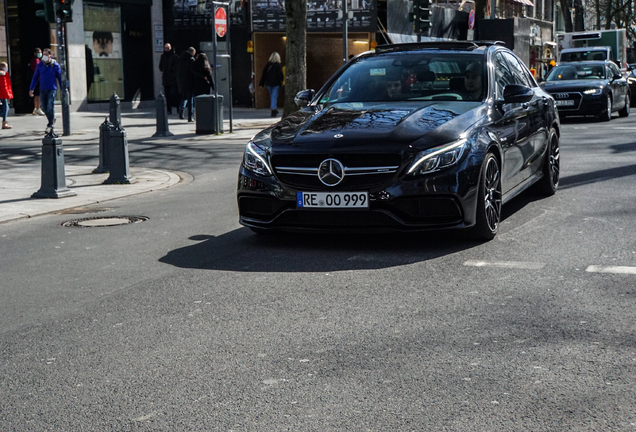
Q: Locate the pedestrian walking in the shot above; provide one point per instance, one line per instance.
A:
(48, 74)
(168, 68)
(6, 93)
(185, 81)
(203, 81)
(33, 64)
(272, 77)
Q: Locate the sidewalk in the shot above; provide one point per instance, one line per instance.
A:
(19, 179)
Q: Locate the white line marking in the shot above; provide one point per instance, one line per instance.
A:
(506, 264)
(611, 269)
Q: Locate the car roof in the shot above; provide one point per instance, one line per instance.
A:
(594, 48)
(437, 45)
(586, 62)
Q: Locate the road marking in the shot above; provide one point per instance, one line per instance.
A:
(625, 128)
(17, 157)
(506, 264)
(72, 148)
(611, 269)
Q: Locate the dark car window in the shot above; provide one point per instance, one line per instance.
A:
(571, 71)
(518, 70)
(408, 77)
(503, 74)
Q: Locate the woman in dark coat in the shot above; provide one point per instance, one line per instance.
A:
(272, 77)
(203, 81)
(185, 81)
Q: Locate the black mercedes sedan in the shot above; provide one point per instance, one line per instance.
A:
(594, 88)
(407, 137)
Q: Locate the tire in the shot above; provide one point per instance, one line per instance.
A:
(489, 196)
(625, 111)
(549, 183)
(607, 115)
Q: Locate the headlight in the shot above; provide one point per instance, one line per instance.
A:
(255, 160)
(593, 91)
(438, 158)
(631, 80)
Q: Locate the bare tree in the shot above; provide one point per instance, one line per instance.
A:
(296, 52)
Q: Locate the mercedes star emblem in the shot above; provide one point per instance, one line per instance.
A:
(331, 172)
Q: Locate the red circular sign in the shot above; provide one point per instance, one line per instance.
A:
(471, 19)
(220, 21)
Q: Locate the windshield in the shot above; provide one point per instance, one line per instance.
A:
(577, 72)
(411, 77)
(583, 55)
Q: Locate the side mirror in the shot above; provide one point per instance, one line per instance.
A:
(515, 93)
(617, 76)
(303, 98)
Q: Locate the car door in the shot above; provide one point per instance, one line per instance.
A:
(619, 87)
(513, 130)
(539, 123)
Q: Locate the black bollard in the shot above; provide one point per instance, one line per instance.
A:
(53, 183)
(119, 169)
(115, 111)
(162, 117)
(104, 147)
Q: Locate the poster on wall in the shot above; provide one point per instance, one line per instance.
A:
(3, 42)
(102, 39)
(199, 12)
(322, 15)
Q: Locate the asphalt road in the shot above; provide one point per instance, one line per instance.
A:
(190, 322)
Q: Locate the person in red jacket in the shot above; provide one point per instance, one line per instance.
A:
(5, 93)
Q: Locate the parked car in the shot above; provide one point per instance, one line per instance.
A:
(589, 88)
(407, 137)
(631, 81)
(585, 54)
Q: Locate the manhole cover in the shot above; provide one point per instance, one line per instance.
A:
(104, 221)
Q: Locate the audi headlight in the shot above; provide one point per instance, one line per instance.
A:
(594, 91)
(631, 80)
(255, 160)
(438, 158)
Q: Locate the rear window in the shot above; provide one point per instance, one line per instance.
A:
(404, 77)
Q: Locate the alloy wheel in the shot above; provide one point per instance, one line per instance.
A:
(554, 162)
(492, 194)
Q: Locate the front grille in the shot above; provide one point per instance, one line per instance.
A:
(362, 171)
(576, 97)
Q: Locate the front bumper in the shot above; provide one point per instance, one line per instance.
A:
(437, 201)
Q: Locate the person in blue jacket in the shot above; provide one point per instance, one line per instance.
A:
(48, 73)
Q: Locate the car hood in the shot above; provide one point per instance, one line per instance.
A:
(346, 127)
(572, 85)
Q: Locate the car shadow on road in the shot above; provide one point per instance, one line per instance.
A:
(242, 250)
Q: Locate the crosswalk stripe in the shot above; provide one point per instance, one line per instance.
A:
(506, 264)
(611, 269)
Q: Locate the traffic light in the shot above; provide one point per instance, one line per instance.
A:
(64, 10)
(48, 11)
(421, 15)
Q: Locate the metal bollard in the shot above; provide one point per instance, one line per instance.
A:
(53, 183)
(162, 117)
(104, 147)
(115, 111)
(119, 168)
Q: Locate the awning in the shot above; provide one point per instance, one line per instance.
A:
(525, 2)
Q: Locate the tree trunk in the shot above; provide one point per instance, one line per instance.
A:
(597, 8)
(567, 16)
(608, 14)
(579, 20)
(296, 52)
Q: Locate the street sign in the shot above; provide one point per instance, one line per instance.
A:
(471, 20)
(220, 22)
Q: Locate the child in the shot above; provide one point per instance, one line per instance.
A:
(5, 93)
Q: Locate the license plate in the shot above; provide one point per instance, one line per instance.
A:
(332, 199)
(565, 103)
